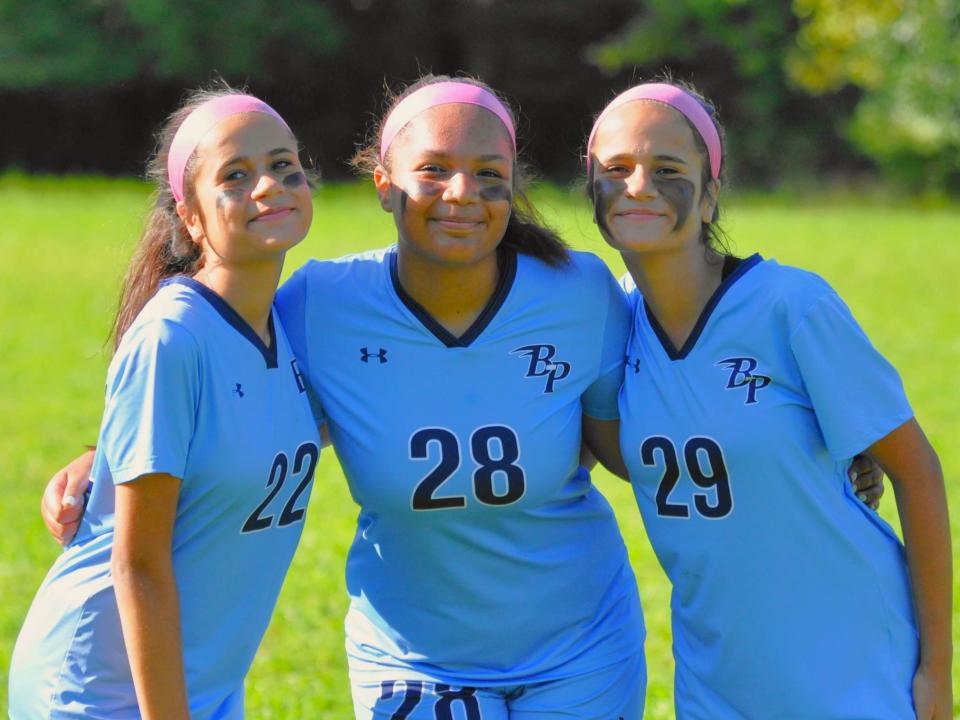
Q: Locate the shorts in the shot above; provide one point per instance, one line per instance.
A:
(616, 692)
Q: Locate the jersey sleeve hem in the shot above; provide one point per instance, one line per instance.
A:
(868, 436)
(149, 466)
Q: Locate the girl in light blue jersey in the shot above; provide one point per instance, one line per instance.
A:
(748, 388)
(207, 447)
(458, 371)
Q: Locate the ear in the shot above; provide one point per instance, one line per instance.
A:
(381, 179)
(192, 220)
(708, 201)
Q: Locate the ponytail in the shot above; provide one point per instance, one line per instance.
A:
(165, 248)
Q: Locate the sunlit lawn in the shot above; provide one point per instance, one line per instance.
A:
(65, 243)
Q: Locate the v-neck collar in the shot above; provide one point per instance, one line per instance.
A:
(232, 317)
(742, 267)
(508, 272)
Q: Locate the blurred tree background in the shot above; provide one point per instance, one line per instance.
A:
(815, 92)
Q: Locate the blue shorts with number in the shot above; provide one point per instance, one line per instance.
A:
(611, 693)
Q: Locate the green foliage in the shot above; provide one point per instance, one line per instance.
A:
(103, 42)
(732, 49)
(66, 242)
(904, 55)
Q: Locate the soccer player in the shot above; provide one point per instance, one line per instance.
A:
(748, 389)
(207, 449)
(456, 370)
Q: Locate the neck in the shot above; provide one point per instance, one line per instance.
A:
(454, 295)
(676, 286)
(248, 288)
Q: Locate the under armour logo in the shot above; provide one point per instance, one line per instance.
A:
(298, 376)
(633, 363)
(238, 391)
(365, 355)
(542, 364)
(742, 375)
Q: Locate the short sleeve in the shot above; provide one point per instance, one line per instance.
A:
(857, 395)
(600, 399)
(153, 391)
(291, 304)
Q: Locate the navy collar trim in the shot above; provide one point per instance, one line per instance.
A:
(232, 317)
(730, 277)
(507, 260)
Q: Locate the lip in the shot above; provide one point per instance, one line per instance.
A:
(639, 214)
(457, 223)
(273, 214)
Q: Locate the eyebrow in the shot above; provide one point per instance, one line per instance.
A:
(482, 158)
(667, 158)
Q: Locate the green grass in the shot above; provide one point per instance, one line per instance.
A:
(64, 246)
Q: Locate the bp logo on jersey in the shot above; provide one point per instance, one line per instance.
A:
(542, 365)
(742, 375)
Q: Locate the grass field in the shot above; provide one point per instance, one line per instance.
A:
(65, 243)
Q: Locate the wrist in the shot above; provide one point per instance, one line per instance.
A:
(936, 661)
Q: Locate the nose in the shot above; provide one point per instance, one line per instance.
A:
(461, 188)
(640, 183)
(267, 185)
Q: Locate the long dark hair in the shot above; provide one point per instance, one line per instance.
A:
(165, 248)
(526, 231)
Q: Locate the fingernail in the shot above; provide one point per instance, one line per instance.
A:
(862, 496)
(69, 501)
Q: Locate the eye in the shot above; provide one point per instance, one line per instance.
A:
(282, 164)
(234, 176)
(616, 169)
(668, 171)
(490, 173)
(431, 168)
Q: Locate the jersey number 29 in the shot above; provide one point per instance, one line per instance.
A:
(714, 477)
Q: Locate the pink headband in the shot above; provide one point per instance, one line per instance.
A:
(442, 93)
(199, 123)
(678, 99)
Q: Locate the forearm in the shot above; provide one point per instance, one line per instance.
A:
(922, 506)
(149, 614)
(914, 470)
(601, 441)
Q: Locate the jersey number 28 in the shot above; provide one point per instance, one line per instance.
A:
(483, 440)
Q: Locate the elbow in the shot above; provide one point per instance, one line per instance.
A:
(136, 569)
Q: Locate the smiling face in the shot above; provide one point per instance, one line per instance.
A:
(646, 180)
(250, 199)
(449, 184)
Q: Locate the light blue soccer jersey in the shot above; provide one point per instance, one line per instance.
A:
(790, 597)
(193, 392)
(483, 553)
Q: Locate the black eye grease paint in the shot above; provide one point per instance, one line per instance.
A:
(495, 193)
(294, 179)
(605, 193)
(678, 193)
(230, 195)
